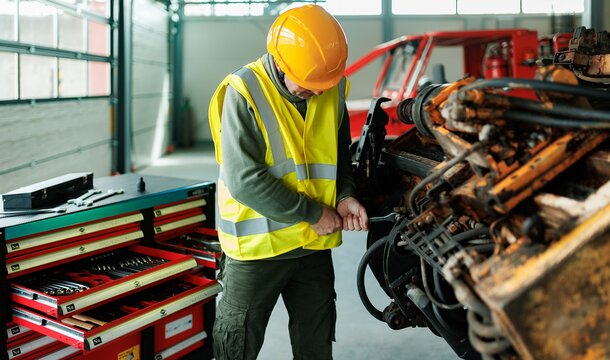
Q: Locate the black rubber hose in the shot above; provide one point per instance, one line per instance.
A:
(556, 109)
(538, 85)
(437, 174)
(536, 119)
(471, 234)
(379, 244)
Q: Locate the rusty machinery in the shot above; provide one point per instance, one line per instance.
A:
(491, 217)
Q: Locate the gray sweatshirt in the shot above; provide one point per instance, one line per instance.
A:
(243, 159)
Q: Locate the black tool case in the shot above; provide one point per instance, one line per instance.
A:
(49, 192)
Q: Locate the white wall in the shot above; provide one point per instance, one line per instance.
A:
(214, 47)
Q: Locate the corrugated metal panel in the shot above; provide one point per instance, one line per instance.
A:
(50, 139)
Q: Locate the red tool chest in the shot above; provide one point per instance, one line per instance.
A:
(117, 279)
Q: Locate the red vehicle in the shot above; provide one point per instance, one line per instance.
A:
(486, 54)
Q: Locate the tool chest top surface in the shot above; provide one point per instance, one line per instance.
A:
(159, 190)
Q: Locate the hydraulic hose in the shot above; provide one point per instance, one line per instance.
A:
(536, 119)
(379, 244)
(556, 109)
(437, 174)
(538, 85)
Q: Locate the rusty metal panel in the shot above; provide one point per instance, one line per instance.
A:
(556, 304)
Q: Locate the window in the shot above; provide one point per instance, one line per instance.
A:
(37, 23)
(8, 68)
(72, 78)
(8, 23)
(423, 7)
(400, 64)
(71, 32)
(356, 7)
(273, 8)
(99, 78)
(54, 49)
(448, 7)
(552, 6)
(38, 76)
(488, 7)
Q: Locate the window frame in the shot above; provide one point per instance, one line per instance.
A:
(81, 11)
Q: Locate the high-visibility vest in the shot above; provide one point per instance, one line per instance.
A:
(302, 154)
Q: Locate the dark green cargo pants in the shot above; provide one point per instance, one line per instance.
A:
(250, 291)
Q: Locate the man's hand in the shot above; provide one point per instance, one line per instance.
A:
(353, 214)
(329, 222)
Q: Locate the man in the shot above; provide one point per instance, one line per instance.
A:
(281, 131)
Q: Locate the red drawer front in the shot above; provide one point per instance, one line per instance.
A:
(202, 243)
(79, 232)
(179, 207)
(178, 327)
(31, 347)
(137, 267)
(124, 348)
(62, 353)
(183, 222)
(182, 348)
(124, 316)
(53, 256)
(15, 332)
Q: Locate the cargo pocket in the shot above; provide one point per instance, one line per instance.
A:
(229, 332)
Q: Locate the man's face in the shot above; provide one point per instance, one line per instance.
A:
(299, 91)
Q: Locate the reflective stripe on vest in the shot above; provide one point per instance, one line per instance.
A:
(316, 171)
(251, 226)
(267, 115)
(282, 165)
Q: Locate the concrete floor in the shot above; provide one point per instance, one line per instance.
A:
(359, 335)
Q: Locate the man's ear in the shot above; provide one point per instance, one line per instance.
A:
(279, 70)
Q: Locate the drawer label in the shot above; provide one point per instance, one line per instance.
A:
(178, 326)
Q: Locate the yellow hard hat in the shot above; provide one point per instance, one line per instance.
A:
(309, 46)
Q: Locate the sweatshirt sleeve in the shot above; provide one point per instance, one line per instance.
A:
(245, 173)
(345, 181)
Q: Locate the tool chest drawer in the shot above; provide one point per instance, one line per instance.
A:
(76, 286)
(180, 216)
(182, 348)
(99, 326)
(178, 327)
(15, 331)
(202, 243)
(33, 346)
(179, 207)
(62, 353)
(43, 259)
(76, 233)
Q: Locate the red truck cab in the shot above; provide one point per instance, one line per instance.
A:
(486, 54)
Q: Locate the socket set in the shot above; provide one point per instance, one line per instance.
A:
(92, 328)
(87, 274)
(202, 243)
(84, 283)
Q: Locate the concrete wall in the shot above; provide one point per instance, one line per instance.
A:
(214, 47)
